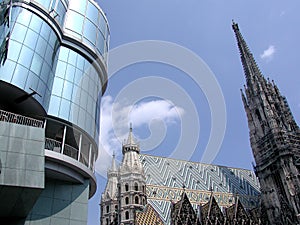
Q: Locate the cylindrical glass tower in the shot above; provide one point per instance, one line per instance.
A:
(53, 68)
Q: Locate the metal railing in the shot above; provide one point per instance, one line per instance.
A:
(56, 146)
(19, 119)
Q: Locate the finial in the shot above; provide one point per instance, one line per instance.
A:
(130, 126)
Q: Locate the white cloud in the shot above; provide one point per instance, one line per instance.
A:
(115, 119)
(268, 53)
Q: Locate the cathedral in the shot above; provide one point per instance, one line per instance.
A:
(147, 189)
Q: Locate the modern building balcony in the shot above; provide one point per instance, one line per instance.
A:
(70, 155)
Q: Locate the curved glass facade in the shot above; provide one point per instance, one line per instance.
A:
(54, 51)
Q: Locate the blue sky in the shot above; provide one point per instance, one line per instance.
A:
(162, 118)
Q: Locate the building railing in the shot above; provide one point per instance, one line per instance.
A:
(56, 146)
(19, 119)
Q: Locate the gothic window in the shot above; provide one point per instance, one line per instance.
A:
(136, 187)
(143, 188)
(107, 221)
(126, 200)
(107, 209)
(126, 215)
(116, 208)
(136, 200)
(126, 187)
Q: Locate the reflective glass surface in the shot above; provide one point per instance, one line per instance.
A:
(76, 91)
(31, 55)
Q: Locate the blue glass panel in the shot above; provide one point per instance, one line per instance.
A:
(90, 31)
(61, 69)
(79, 6)
(6, 71)
(54, 105)
(100, 43)
(64, 54)
(32, 81)
(64, 109)
(24, 17)
(44, 3)
(81, 117)
(67, 90)
(41, 46)
(25, 56)
(103, 25)
(35, 23)
(41, 88)
(83, 99)
(70, 73)
(74, 21)
(31, 39)
(57, 86)
(74, 111)
(36, 64)
(80, 62)
(46, 73)
(78, 76)
(45, 31)
(72, 57)
(20, 76)
(18, 33)
(14, 50)
(92, 13)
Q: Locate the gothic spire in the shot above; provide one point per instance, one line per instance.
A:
(130, 145)
(266, 108)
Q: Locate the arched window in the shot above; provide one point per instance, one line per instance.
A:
(116, 208)
(107, 221)
(126, 215)
(126, 187)
(136, 200)
(136, 187)
(107, 209)
(126, 200)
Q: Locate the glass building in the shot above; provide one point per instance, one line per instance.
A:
(53, 73)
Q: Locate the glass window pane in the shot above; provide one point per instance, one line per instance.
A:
(64, 54)
(31, 39)
(36, 64)
(79, 6)
(41, 47)
(61, 69)
(19, 33)
(92, 13)
(54, 105)
(70, 73)
(90, 31)
(57, 86)
(74, 21)
(7, 70)
(64, 109)
(100, 43)
(25, 56)
(20, 76)
(36, 23)
(72, 58)
(14, 50)
(67, 90)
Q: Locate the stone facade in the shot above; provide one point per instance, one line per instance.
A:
(125, 192)
(275, 142)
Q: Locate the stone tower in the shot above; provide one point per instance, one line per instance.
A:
(275, 141)
(131, 182)
(109, 198)
(125, 190)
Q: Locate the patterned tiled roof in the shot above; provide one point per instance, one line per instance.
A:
(148, 216)
(166, 177)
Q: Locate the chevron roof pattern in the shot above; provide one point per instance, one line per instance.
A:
(148, 216)
(167, 178)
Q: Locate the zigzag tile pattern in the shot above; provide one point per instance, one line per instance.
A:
(167, 178)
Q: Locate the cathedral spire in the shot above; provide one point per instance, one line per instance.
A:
(274, 138)
(130, 145)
